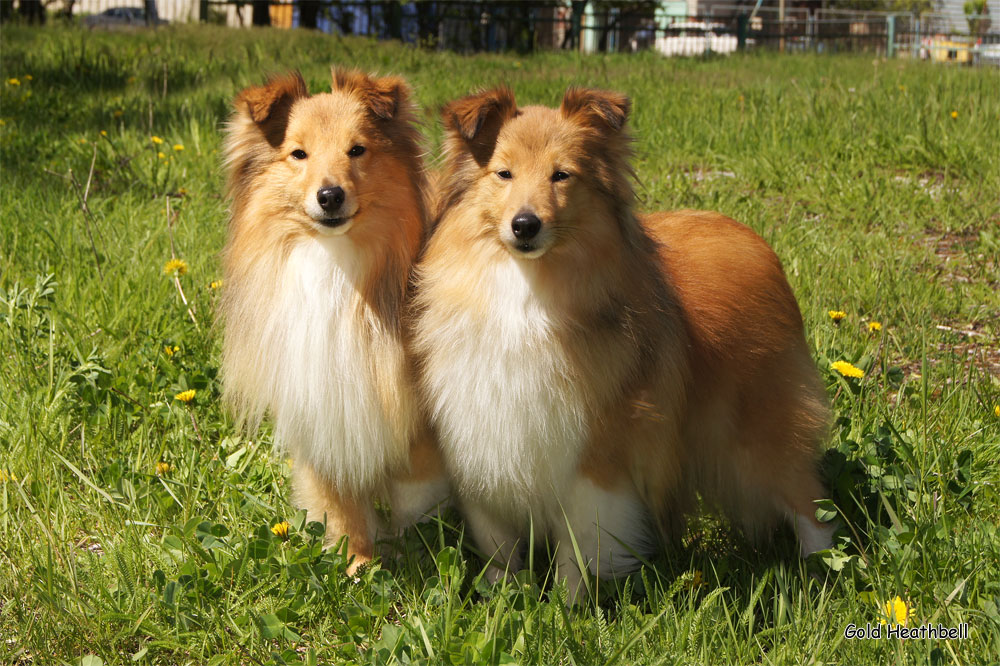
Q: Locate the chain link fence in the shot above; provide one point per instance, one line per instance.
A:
(588, 26)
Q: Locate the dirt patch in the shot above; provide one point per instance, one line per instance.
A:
(970, 345)
(958, 257)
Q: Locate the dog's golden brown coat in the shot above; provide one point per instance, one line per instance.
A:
(327, 219)
(589, 370)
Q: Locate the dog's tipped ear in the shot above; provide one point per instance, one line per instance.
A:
(468, 116)
(261, 103)
(268, 106)
(384, 96)
(476, 120)
(598, 108)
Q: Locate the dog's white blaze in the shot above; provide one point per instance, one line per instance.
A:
(510, 416)
(322, 394)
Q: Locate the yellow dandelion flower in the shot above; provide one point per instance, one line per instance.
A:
(161, 155)
(175, 266)
(104, 132)
(289, 462)
(280, 530)
(13, 82)
(215, 284)
(954, 115)
(902, 88)
(118, 113)
(178, 147)
(696, 580)
(874, 326)
(837, 315)
(182, 191)
(162, 468)
(170, 351)
(155, 139)
(847, 370)
(896, 611)
(6, 476)
(82, 140)
(28, 77)
(185, 396)
(996, 411)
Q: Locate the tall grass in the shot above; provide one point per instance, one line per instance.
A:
(136, 528)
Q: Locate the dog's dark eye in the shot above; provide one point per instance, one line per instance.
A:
(559, 175)
(356, 151)
(299, 154)
(503, 173)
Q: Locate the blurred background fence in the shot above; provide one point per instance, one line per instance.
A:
(944, 30)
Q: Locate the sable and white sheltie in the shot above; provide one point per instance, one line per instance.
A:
(328, 216)
(588, 370)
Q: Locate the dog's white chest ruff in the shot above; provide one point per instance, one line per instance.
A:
(324, 399)
(504, 400)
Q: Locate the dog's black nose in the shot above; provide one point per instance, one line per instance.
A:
(330, 198)
(525, 226)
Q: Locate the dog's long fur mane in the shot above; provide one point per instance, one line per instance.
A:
(261, 239)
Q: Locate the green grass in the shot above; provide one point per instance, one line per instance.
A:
(878, 201)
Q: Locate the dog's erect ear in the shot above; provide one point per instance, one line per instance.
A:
(268, 105)
(601, 109)
(385, 97)
(476, 120)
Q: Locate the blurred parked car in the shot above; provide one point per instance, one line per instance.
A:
(987, 54)
(689, 38)
(120, 17)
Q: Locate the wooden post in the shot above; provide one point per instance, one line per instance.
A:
(781, 25)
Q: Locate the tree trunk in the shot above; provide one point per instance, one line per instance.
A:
(261, 12)
(308, 14)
